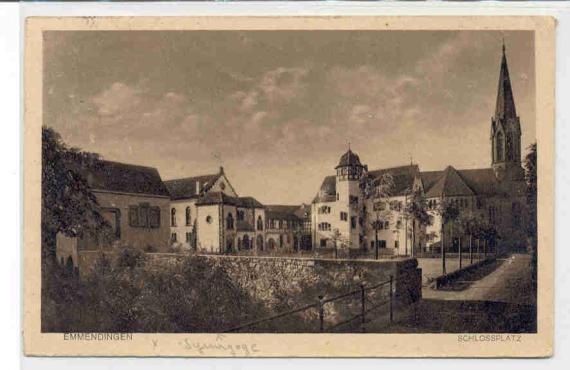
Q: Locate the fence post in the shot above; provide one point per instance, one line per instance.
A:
(363, 306)
(321, 315)
(391, 299)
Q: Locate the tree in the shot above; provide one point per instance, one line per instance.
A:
(530, 166)
(379, 190)
(68, 205)
(448, 213)
(336, 238)
(469, 224)
(416, 210)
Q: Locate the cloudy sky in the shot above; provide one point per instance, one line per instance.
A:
(277, 108)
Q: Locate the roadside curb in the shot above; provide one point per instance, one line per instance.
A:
(442, 280)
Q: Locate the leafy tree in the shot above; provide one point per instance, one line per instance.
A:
(468, 225)
(336, 238)
(448, 212)
(530, 166)
(416, 210)
(379, 190)
(68, 205)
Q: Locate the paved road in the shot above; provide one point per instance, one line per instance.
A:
(496, 298)
(507, 280)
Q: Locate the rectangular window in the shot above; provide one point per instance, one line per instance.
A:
(353, 199)
(372, 244)
(386, 225)
(323, 243)
(344, 216)
(353, 222)
(188, 237)
(173, 237)
(396, 244)
(379, 206)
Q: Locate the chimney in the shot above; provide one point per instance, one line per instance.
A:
(198, 187)
(221, 170)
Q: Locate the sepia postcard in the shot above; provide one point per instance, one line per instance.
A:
(289, 186)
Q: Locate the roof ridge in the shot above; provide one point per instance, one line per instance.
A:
(126, 164)
(396, 167)
(193, 177)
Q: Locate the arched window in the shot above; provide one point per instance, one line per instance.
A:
(510, 154)
(500, 147)
(259, 223)
(188, 218)
(229, 221)
(271, 244)
(259, 242)
(173, 217)
(245, 242)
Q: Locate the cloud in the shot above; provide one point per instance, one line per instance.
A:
(117, 99)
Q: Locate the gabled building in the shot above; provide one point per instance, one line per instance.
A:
(343, 213)
(284, 228)
(133, 200)
(207, 215)
(183, 195)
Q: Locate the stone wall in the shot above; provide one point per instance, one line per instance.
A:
(285, 283)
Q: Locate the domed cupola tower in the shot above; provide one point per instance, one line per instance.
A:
(349, 167)
(506, 130)
(349, 199)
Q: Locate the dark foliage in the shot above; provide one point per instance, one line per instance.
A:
(133, 295)
(530, 165)
(68, 205)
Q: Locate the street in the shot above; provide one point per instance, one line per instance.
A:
(497, 298)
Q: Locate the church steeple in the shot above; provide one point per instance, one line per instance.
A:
(505, 107)
(505, 129)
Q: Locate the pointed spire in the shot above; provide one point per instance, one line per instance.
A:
(505, 107)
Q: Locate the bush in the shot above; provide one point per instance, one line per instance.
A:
(185, 296)
(131, 258)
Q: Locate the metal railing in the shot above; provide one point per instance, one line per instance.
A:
(366, 306)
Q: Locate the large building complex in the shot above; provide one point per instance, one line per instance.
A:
(346, 214)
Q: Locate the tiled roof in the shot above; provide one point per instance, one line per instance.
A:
(304, 211)
(217, 197)
(186, 188)
(449, 184)
(403, 177)
(281, 212)
(483, 180)
(121, 177)
(249, 202)
(452, 182)
(327, 191)
(349, 159)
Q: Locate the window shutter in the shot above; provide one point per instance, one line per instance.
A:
(143, 215)
(154, 217)
(133, 216)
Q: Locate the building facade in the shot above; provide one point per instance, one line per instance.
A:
(346, 214)
(132, 199)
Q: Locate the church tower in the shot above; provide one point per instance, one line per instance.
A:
(506, 130)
